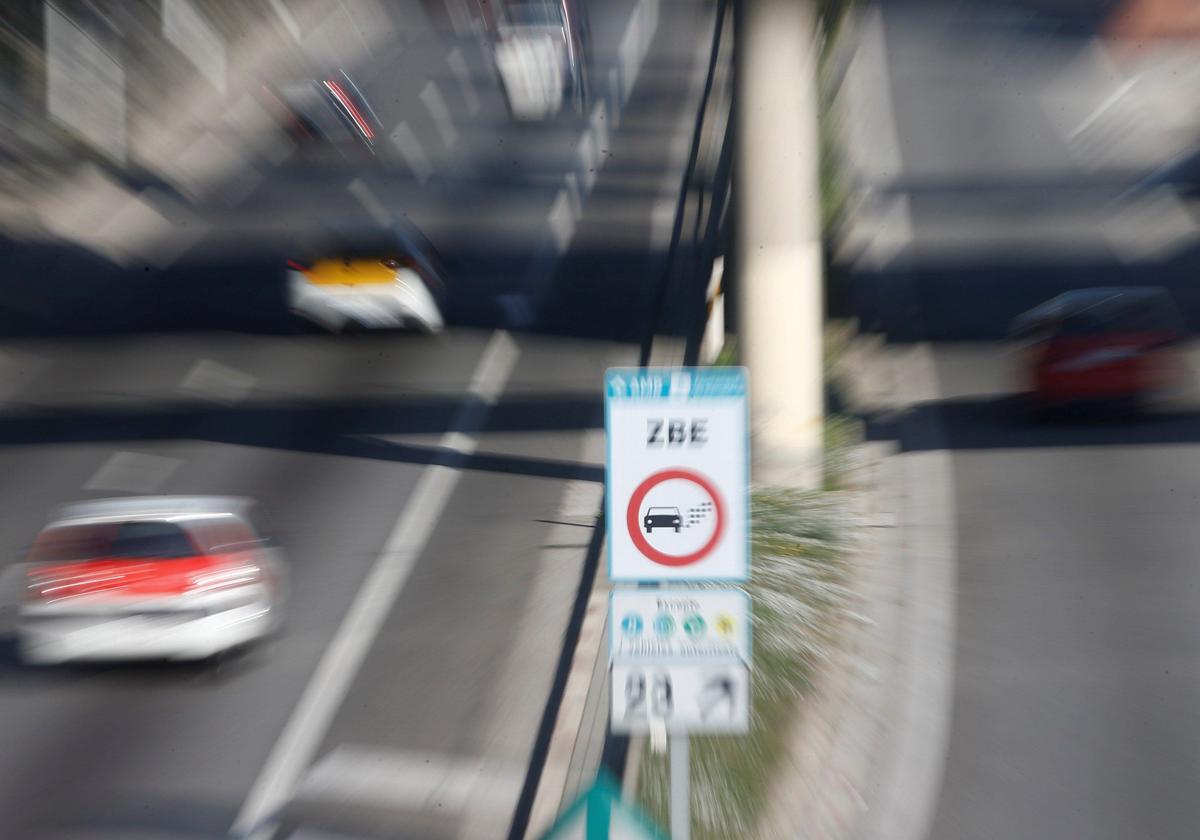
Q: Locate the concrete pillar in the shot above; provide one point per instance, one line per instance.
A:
(778, 237)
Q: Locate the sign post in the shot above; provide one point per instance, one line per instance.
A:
(680, 760)
(678, 513)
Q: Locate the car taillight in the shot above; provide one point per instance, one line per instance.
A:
(224, 580)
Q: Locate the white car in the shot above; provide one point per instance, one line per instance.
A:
(538, 49)
(368, 292)
(173, 578)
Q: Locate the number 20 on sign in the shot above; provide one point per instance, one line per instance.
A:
(677, 474)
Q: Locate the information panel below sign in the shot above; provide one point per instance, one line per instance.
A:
(677, 474)
(689, 699)
(679, 626)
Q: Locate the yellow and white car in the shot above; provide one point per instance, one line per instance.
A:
(365, 292)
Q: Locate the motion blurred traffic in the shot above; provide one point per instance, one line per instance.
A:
(304, 307)
(1019, 221)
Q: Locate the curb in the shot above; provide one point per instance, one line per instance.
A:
(553, 791)
(867, 754)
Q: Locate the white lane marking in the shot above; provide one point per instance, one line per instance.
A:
(1101, 109)
(562, 223)
(141, 231)
(458, 66)
(589, 160)
(890, 231)
(327, 687)
(214, 381)
(639, 33)
(289, 22)
(614, 95)
(460, 17)
(409, 146)
(581, 498)
(598, 125)
(436, 105)
(207, 163)
(574, 194)
(1151, 228)
(874, 145)
(132, 472)
(369, 202)
(412, 781)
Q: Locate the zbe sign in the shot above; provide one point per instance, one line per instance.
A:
(677, 474)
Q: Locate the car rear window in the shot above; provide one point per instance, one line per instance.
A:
(70, 543)
(151, 539)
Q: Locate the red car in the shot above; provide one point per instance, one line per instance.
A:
(1116, 345)
(182, 578)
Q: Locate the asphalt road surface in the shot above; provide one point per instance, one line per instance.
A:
(1076, 685)
(415, 482)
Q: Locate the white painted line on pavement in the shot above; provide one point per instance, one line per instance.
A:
(580, 498)
(369, 202)
(889, 232)
(132, 472)
(458, 66)
(614, 95)
(208, 162)
(409, 146)
(214, 381)
(1109, 101)
(589, 160)
(573, 193)
(413, 782)
(289, 22)
(562, 223)
(598, 125)
(140, 231)
(343, 658)
(436, 105)
(874, 147)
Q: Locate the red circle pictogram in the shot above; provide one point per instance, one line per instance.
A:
(633, 523)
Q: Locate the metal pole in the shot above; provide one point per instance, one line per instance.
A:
(681, 806)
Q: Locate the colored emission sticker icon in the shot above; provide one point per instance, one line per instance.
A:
(664, 625)
(675, 517)
(631, 625)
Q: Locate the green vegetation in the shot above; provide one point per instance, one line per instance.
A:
(798, 590)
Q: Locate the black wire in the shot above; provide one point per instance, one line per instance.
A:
(664, 281)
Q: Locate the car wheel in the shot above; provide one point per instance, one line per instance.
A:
(676, 529)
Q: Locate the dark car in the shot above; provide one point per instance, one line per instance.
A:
(330, 111)
(662, 517)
